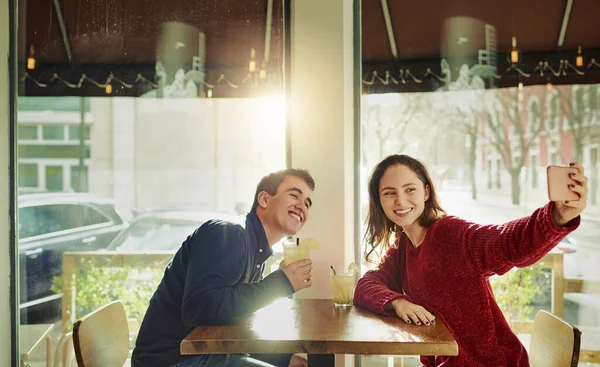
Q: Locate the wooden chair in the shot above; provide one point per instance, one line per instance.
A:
(554, 342)
(65, 355)
(101, 338)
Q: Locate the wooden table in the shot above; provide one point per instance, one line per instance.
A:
(315, 327)
(30, 338)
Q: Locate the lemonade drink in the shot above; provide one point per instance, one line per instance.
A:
(342, 285)
(293, 253)
(299, 250)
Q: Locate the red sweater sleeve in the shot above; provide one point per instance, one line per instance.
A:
(378, 288)
(495, 249)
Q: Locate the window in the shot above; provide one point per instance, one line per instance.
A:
(25, 132)
(28, 225)
(86, 216)
(62, 217)
(502, 178)
(74, 132)
(79, 178)
(28, 175)
(53, 132)
(54, 178)
(184, 118)
(188, 112)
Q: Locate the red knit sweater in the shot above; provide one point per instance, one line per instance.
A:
(448, 275)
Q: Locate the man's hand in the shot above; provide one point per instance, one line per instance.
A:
(299, 273)
(409, 312)
(298, 361)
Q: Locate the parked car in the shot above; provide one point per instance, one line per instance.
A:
(162, 229)
(50, 224)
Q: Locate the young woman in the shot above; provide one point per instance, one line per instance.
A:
(437, 266)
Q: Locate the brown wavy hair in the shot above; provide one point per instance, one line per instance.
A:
(381, 231)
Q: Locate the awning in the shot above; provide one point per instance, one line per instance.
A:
(138, 46)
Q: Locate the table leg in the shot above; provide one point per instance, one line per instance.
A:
(321, 360)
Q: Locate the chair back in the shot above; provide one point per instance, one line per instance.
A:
(554, 342)
(101, 338)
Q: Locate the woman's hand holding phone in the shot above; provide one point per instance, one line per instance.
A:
(568, 188)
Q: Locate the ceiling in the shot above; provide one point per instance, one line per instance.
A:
(127, 38)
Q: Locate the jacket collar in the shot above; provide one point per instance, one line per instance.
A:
(258, 238)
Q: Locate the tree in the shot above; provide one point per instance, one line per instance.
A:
(468, 116)
(384, 124)
(579, 105)
(513, 139)
(460, 109)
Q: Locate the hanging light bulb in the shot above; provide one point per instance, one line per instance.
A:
(520, 92)
(549, 86)
(31, 59)
(252, 63)
(108, 88)
(579, 58)
(262, 73)
(209, 93)
(514, 53)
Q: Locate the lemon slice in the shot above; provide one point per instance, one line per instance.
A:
(353, 266)
(311, 243)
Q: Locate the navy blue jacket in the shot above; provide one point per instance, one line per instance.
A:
(215, 276)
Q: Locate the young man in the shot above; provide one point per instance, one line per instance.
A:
(217, 275)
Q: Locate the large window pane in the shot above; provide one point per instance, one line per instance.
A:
(456, 148)
(485, 113)
(182, 110)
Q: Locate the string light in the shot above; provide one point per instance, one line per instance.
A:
(262, 73)
(402, 76)
(514, 53)
(31, 59)
(252, 63)
(549, 87)
(579, 58)
(108, 87)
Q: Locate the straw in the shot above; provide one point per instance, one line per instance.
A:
(297, 241)
(331, 266)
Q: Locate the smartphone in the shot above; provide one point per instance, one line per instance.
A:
(558, 183)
